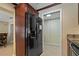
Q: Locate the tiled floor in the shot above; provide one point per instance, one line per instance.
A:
(48, 51)
(51, 51)
(6, 51)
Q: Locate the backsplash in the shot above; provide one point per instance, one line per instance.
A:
(73, 34)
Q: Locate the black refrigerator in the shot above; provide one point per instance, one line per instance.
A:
(33, 34)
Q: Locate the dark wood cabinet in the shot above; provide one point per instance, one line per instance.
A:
(19, 29)
(20, 11)
(3, 39)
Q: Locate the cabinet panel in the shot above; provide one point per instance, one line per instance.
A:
(19, 29)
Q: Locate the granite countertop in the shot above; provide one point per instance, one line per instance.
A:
(73, 35)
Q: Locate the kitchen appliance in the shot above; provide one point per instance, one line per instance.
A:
(75, 48)
(33, 34)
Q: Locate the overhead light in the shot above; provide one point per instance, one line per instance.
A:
(48, 15)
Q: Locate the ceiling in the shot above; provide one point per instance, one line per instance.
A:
(39, 5)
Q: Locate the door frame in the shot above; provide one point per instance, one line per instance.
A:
(61, 30)
(9, 31)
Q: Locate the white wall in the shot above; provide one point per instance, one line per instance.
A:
(3, 27)
(69, 20)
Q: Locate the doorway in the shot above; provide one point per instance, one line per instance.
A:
(6, 32)
(52, 35)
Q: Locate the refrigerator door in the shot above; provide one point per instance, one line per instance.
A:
(33, 36)
(39, 35)
(31, 41)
